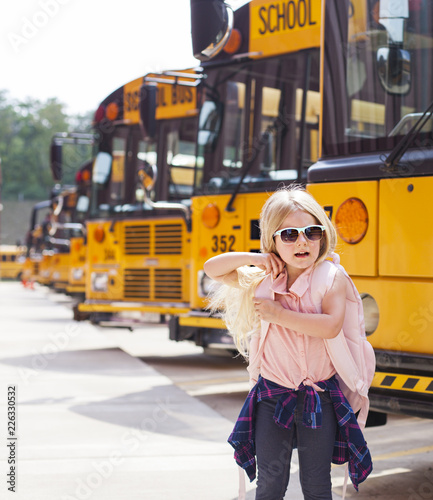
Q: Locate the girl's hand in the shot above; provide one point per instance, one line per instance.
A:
(269, 262)
(267, 309)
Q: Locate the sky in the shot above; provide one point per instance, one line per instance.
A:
(80, 51)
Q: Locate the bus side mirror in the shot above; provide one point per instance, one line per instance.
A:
(56, 161)
(394, 69)
(102, 168)
(148, 109)
(211, 26)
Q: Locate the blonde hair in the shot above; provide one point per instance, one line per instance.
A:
(236, 304)
(282, 203)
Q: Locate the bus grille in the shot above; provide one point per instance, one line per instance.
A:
(167, 239)
(137, 240)
(137, 284)
(167, 284)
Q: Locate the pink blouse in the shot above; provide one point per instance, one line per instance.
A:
(290, 357)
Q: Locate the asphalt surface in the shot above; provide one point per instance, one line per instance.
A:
(90, 413)
(91, 421)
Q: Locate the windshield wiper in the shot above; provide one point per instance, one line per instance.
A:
(394, 157)
(264, 140)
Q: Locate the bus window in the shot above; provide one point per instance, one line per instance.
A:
(311, 135)
(234, 122)
(270, 123)
(271, 99)
(181, 160)
(147, 153)
(118, 170)
(384, 87)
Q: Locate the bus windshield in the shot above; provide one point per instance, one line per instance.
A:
(386, 50)
(267, 127)
(172, 152)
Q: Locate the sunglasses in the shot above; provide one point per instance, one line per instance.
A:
(291, 234)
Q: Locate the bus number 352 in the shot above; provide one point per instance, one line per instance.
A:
(223, 243)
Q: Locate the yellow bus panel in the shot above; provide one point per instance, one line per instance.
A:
(359, 259)
(236, 230)
(131, 98)
(60, 266)
(405, 239)
(282, 27)
(77, 271)
(12, 258)
(405, 313)
(175, 101)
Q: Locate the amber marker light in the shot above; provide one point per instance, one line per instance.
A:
(234, 42)
(112, 111)
(351, 220)
(210, 215)
(99, 234)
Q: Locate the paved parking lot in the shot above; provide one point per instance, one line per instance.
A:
(104, 414)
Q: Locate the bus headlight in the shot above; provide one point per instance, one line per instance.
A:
(371, 313)
(77, 273)
(99, 282)
(204, 284)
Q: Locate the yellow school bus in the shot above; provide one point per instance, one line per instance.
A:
(36, 242)
(77, 268)
(12, 258)
(63, 264)
(138, 230)
(375, 179)
(258, 129)
(58, 253)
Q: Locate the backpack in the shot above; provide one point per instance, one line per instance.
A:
(350, 352)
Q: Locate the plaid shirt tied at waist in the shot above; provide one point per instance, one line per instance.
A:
(350, 445)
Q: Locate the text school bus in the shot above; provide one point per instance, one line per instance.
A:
(258, 129)
(375, 178)
(138, 241)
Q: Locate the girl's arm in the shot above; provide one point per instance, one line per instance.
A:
(326, 325)
(223, 267)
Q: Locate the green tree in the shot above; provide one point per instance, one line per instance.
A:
(26, 130)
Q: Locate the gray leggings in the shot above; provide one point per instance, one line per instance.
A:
(274, 447)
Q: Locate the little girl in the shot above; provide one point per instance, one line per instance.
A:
(283, 312)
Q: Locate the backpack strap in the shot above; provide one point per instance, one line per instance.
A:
(322, 278)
